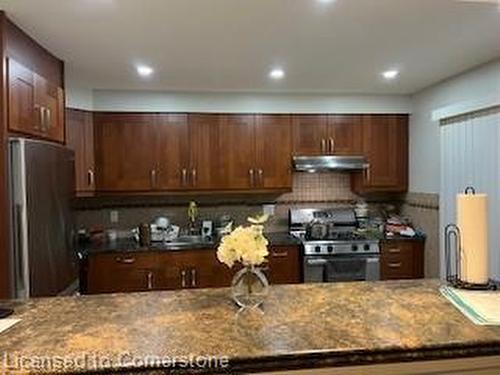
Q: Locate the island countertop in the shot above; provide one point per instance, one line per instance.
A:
(299, 326)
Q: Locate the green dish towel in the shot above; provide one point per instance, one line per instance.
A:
(481, 307)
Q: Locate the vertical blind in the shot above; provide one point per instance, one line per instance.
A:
(470, 157)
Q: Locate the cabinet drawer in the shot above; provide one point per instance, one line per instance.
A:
(402, 260)
(112, 273)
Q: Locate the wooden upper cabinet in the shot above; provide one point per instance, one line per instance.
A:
(385, 144)
(50, 100)
(274, 152)
(206, 167)
(36, 106)
(345, 135)
(238, 149)
(126, 152)
(171, 152)
(80, 138)
(23, 116)
(310, 134)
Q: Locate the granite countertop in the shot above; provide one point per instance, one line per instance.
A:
(130, 245)
(299, 326)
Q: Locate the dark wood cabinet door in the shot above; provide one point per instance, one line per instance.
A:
(23, 116)
(206, 159)
(238, 150)
(197, 268)
(345, 135)
(50, 100)
(402, 260)
(80, 138)
(385, 144)
(309, 134)
(274, 152)
(284, 265)
(118, 273)
(172, 170)
(125, 152)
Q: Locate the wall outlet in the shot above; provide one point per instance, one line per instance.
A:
(268, 209)
(113, 217)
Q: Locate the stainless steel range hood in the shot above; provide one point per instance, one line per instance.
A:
(327, 163)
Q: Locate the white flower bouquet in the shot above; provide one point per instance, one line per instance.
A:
(245, 245)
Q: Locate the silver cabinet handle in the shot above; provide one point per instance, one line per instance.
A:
(281, 254)
(193, 177)
(323, 146)
(49, 118)
(184, 177)
(38, 111)
(251, 173)
(90, 177)
(183, 279)
(43, 118)
(394, 250)
(367, 173)
(332, 146)
(395, 265)
(126, 260)
(193, 277)
(153, 178)
(261, 177)
(150, 280)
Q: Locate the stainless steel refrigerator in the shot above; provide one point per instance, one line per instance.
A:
(41, 179)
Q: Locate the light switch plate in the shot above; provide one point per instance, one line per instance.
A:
(268, 209)
(113, 217)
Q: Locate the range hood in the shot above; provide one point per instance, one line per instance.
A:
(327, 163)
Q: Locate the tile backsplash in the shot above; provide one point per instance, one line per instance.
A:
(308, 190)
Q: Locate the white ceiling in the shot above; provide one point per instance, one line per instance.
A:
(230, 45)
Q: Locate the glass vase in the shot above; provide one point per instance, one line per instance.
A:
(249, 287)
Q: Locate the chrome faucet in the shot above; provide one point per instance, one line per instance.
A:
(192, 213)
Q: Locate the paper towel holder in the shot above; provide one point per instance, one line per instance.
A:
(453, 252)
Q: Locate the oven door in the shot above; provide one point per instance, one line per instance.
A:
(338, 268)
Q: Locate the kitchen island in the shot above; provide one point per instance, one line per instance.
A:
(307, 326)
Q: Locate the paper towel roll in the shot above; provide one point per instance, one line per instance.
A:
(472, 220)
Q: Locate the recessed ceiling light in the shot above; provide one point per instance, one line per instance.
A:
(144, 70)
(390, 74)
(277, 73)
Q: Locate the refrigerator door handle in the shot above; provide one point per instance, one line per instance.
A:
(19, 270)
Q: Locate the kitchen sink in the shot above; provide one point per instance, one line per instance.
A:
(185, 242)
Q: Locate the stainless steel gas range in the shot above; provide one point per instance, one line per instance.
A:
(333, 247)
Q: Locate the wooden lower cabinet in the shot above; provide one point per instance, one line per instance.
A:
(402, 259)
(284, 265)
(171, 270)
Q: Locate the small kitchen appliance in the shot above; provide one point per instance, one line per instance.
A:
(207, 228)
(333, 247)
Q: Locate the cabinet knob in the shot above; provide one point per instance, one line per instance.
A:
(323, 146)
(153, 178)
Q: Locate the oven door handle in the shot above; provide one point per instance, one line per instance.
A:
(316, 262)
